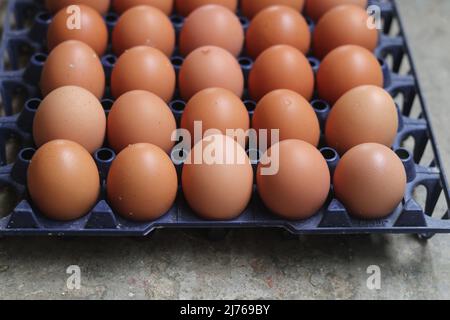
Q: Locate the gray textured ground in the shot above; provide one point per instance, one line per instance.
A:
(256, 264)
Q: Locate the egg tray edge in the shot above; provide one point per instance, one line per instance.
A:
(24, 219)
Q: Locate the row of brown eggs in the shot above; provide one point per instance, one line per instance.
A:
(142, 183)
(249, 8)
(216, 25)
(363, 114)
(147, 69)
(141, 175)
(213, 191)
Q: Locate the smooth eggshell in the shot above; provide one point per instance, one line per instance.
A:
(317, 8)
(101, 6)
(208, 67)
(63, 180)
(212, 25)
(281, 67)
(364, 114)
(343, 25)
(277, 25)
(70, 113)
(120, 6)
(216, 108)
(142, 183)
(143, 26)
(251, 8)
(345, 68)
(92, 30)
(370, 181)
(73, 63)
(288, 112)
(218, 191)
(185, 7)
(143, 68)
(140, 116)
(302, 184)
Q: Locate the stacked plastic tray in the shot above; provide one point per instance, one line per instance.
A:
(23, 53)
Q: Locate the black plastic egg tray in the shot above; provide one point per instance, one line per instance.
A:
(23, 53)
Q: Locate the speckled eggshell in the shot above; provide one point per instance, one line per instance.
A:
(212, 25)
(277, 25)
(63, 180)
(143, 68)
(140, 116)
(288, 112)
(143, 26)
(370, 180)
(208, 67)
(142, 183)
(70, 113)
(216, 108)
(73, 63)
(92, 30)
(281, 67)
(301, 185)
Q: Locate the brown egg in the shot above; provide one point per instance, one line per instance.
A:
(101, 6)
(185, 7)
(343, 25)
(277, 25)
(140, 116)
(251, 8)
(216, 108)
(120, 6)
(300, 186)
(146, 26)
(212, 25)
(70, 113)
(142, 183)
(63, 180)
(317, 8)
(143, 68)
(345, 68)
(281, 67)
(208, 67)
(370, 181)
(218, 188)
(288, 112)
(73, 63)
(92, 30)
(363, 114)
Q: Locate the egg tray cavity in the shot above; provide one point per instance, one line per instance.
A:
(23, 53)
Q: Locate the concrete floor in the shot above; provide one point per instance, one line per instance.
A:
(253, 263)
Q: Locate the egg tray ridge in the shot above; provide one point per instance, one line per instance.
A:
(22, 55)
